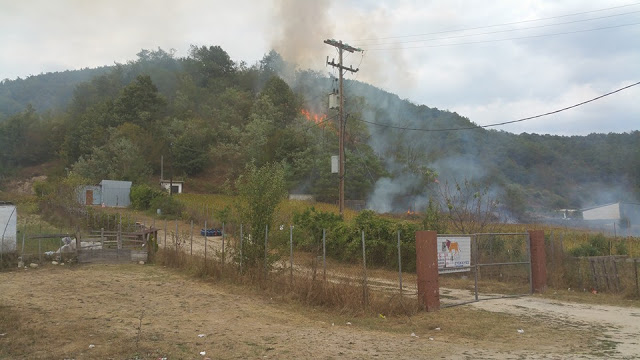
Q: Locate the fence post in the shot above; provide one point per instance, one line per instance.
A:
(477, 266)
(266, 236)
(24, 232)
(427, 269)
(399, 264)
(365, 295)
(40, 249)
(119, 233)
(191, 249)
(324, 256)
(223, 243)
(102, 240)
(165, 234)
(176, 237)
(205, 245)
(241, 241)
(635, 270)
(290, 255)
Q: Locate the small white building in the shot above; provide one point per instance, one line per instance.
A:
(175, 185)
(8, 227)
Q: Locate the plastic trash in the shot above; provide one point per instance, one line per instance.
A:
(203, 353)
(414, 335)
(437, 329)
(348, 323)
(91, 346)
(520, 331)
(201, 335)
(430, 338)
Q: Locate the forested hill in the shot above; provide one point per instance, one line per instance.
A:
(209, 116)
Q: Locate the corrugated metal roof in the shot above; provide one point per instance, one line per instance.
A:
(116, 183)
(614, 203)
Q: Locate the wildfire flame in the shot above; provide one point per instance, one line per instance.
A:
(316, 118)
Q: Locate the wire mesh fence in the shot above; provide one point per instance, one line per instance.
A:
(320, 268)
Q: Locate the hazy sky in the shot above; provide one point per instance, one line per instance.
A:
(552, 54)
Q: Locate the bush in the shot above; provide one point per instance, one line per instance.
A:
(597, 246)
(311, 222)
(143, 195)
(168, 205)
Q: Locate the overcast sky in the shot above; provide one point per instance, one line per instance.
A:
(554, 53)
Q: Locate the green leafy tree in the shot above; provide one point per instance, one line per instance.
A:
(261, 190)
(139, 103)
(119, 159)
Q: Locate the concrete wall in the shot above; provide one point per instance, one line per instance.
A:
(8, 221)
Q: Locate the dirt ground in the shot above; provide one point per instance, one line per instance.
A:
(151, 312)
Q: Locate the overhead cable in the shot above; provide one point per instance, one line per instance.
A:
(501, 123)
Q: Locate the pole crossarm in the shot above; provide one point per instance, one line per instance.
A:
(350, 68)
(341, 45)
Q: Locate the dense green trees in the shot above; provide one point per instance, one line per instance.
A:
(210, 116)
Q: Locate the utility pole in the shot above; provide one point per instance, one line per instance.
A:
(341, 48)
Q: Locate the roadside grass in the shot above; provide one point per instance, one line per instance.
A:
(586, 297)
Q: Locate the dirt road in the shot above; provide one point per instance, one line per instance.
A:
(620, 326)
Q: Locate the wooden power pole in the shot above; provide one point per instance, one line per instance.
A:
(341, 48)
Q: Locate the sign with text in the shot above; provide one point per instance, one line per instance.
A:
(454, 254)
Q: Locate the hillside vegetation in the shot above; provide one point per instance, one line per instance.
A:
(209, 117)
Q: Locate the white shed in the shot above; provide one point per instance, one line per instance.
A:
(175, 185)
(8, 228)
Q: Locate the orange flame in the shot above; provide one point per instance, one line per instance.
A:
(316, 118)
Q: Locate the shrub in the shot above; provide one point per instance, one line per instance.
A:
(597, 246)
(143, 195)
(167, 204)
(311, 222)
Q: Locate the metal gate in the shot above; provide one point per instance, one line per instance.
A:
(483, 266)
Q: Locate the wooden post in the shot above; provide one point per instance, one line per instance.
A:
(191, 248)
(427, 270)
(165, 234)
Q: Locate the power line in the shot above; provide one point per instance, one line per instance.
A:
(506, 39)
(497, 25)
(497, 31)
(502, 123)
